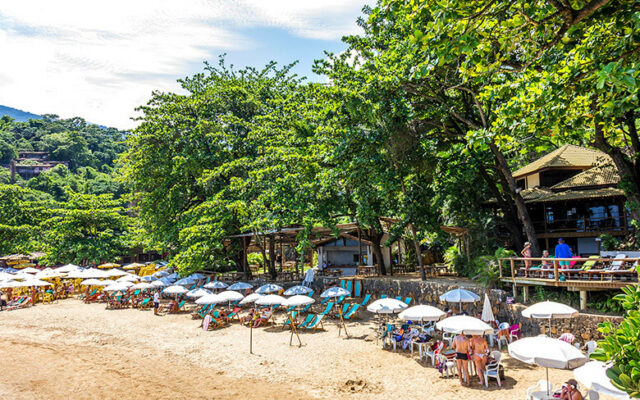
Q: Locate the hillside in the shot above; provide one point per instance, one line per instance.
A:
(18, 115)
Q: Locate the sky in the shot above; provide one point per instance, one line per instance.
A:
(101, 59)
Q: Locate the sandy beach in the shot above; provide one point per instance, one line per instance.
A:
(70, 350)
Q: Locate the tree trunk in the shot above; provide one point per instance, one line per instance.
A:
(374, 236)
(423, 274)
(523, 213)
(272, 258)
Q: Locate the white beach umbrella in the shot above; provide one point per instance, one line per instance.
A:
(116, 287)
(547, 352)
(196, 276)
(115, 272)
(269, 288)
(6, 276)
(465, 325)
(298, 301)
(209, 299)
(459, 296)
(30, 270)
(132, 266)
(95, 273)
(386, 306)
(34, 282)
(270, 300)
(216, 285)
(68, 268)
(335, 291)
(197, 293)
(175, 289)
(148, 278)
(231, 295)
(49, 273)
(142, 286)
(487, 311)
(186, 281)
(549, 309)
(250, 298)
(240, 286)
(7, 284)
(128, 278)
(94, 282)
(173, 276)
(421, 313)
(297, 290)
(594, 375)
(107, 282)
(159, 283)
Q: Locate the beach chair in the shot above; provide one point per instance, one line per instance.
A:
(446, 365)
(349, 286)
(407, 300)
(235, 313)
(144, 303)
(433, 354)
(542, 385)
(358, 289)
(307, 321)
(310, 294)
(317, 322)
(91, 296)
(328, 309)
(353, 312)
(340, 299)
(386, 334)
(345, 308)
(366, 300)
(305, 309)
(399, 298)
(384, 296)
(326, 299)
(180, 305)
(263, 320)
(287, 322)
(18, 303)
(290, 309)
(492, 370)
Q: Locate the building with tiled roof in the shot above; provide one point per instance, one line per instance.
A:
(572, 193)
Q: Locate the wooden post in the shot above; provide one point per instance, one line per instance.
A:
(555, 271)
(583, 299)
(525, 293)
(513, 268)
(390, 260)
(500, 266)
(244, 256)
(467, 245)
(281, 256)
(359, 246)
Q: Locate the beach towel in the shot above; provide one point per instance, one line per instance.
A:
(205, 322)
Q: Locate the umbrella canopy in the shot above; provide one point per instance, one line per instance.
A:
(142, 285)
(115, 272)
(459, 296)
(594, 375)
(68, 268)
(549, 309)
(386, 306)
(269, 288)
(7, 284)
(49, 273)
(132, 266)
(465, 325)
(421, 313)
(34, 282)
(108, 265)
(30, 270)
(298, 301)
(128, 278)
(546, 352)
(250, 298)
(160, 283)
(173, 276)
(209, 299)
(230, 295)
(147, 278)
(240, 286)
(336, 291)
(216, 285)
(94, 273)
(270, 300)
(95, 282)
(160, 274)
(175, 289)
(197, 276)
(5, 276)
(487, 311)
(185, 281)
(116, 287)
(197, 293)
(297, 290)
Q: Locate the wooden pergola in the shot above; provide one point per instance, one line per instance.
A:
(462, 234)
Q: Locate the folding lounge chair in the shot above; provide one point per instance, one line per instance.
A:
(317, 322)
(348, 286)
(310, 294)
(407, 300)
(235, 313)
(353, 312)
(326, 299)
(287, 322)
(384, 296)
(340, 299)
(366, 300)
(307, 321)
(358, 289)
(345, 308)
(305, 309)
(399, 298)
(328, 309)
(144, 303)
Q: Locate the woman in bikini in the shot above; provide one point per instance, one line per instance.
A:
(479, 350)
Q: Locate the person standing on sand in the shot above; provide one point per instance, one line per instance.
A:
(156, 302)
(461, 346)
(479, 355)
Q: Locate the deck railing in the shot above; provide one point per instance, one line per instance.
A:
(577, 269)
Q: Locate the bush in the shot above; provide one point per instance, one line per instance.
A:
(255, 258)
(609, 242)
(621, 345)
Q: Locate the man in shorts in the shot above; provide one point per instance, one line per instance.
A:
(461, 346)
(156, 302)
(563, 251)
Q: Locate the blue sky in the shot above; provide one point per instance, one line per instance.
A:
(99, 60)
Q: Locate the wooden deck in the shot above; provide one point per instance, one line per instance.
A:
(603, 274)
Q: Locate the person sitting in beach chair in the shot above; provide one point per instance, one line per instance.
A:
(249, 316)
(264, 319)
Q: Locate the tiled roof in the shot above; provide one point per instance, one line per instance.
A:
(579, 195)
(601, 175)
(566, 156)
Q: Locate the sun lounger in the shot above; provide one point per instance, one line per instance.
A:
(180, 305)
(316, 323)
(353, 312)
(384, 296)
(358, 289)
(310, 294)
(263, 320)
(399, 298)
(19, 303)
(292, 317)
(306, 321)
(235, 313)
(328, 309)
(144, 303)
(366, 300)
(326, 299)
(345, 307)
(407, 300)
(305, 309)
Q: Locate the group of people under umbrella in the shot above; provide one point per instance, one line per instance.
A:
(540, 350)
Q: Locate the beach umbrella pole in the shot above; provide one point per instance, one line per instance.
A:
(342, 324)
(251, 338)
(293, 330)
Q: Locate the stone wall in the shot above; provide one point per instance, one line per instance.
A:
(584, 326)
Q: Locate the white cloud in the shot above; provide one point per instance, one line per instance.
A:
(100, 60)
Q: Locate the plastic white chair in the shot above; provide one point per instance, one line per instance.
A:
(450, 365)
(448, 337)
(492, 370)
(432, 354)
(590, 346)
(542, 385)
(593, 395)
(514, 335)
